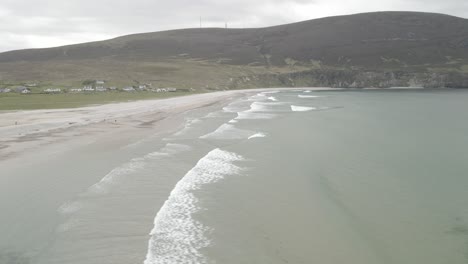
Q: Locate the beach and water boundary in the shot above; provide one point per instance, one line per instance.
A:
(215, 177)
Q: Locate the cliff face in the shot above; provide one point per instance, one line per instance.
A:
(354, 79)
(381, 49)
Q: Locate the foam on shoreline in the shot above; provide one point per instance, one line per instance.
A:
(228, 131)
(177, 237)
(296, 108)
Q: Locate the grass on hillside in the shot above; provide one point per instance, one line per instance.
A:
(14, 101)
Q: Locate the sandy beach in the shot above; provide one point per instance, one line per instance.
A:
(24, 130)
(50, 159)
(61, 153)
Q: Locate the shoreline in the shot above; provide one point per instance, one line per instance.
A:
(21, 130)
(29, 129)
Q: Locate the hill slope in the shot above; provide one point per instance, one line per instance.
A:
(372, 49)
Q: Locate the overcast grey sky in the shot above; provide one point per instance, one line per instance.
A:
(46, 23)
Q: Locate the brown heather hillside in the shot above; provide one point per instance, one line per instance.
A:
(373, 49)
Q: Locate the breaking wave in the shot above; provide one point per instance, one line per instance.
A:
(177, 237)
(296, 108)
(308, 96)
(257, 135)
(124, 170)
(258, 110)
(228, 131)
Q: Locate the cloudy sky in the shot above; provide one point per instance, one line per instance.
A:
(46, 23)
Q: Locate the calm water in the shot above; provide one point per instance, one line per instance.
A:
(289, 177)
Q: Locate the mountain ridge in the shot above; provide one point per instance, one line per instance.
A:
(415, 43)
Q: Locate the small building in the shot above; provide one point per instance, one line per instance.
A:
(100, 83)
(142, 87)
(88, 88)
(31, 85)
(20, 89)
(76, 90)
(5, 90)
(100, 89)
(172, 89)
(26, 91)
(53, 90)
(128, 89)
(112, 88)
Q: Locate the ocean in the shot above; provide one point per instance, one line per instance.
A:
(289, 176)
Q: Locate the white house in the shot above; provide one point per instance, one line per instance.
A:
(128, 89)
(100, 89)
(100, 82)
(20, 89)
(112, 88)
(88, 88)
(26, 91)
(53, 90)
(76, 90)
(6, 90)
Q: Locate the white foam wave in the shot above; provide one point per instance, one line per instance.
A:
(128, 168)
(258, 97)
(228, 131)
(133, 166)
(177, 237)
(257, 135)
(272, 98)
(236, 106)
(308, 96)
(258, 110)
(270, 92)
(258, 107)
(307, 91)
(296, 108)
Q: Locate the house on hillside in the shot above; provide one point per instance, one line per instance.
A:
(5, 90)
(112, 88)
(128, 89)
(88, 88)
(22, 89)
(76, 90)
(100, 89)
(100, 83)
(53, 90)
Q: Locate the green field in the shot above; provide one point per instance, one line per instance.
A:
(14, 101)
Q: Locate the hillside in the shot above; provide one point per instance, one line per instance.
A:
(372, 49)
